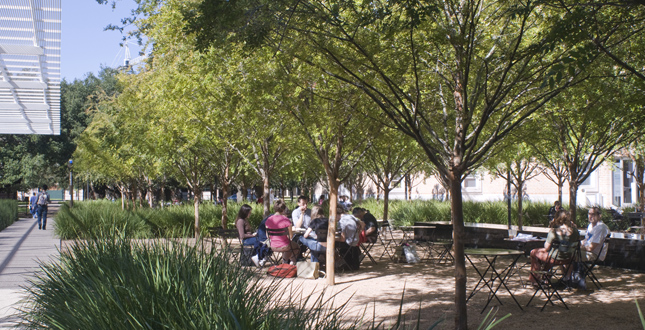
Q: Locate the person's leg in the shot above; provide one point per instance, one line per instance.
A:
(44, 217)
(250, 241)
(314, 246)
(39, 212)
(538, 258)
(587, 256)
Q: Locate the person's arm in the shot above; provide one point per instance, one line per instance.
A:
(360, 226)
(300, 218)
(240, 230)
(371, 230)
(290, 231)
(590, 247)
(549, 239)
(307, 232)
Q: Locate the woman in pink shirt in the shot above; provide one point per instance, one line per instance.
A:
(282, 244)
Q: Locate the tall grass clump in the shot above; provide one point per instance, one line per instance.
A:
(494, 212)
(116, 284)
(8, 212)
(98, 219)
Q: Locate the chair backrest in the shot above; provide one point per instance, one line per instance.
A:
(277, 232)
(603, 250)
(565, 249)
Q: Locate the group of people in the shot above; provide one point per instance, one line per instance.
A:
(564, 233)
(38, 206)
(308, 230)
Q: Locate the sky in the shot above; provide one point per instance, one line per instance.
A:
(84, 44)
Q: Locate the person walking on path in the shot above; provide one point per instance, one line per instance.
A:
(42, 200)
(33, 208)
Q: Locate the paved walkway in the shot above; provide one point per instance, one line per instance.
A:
(22, 245)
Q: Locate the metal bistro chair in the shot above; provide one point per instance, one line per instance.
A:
(271, 234)
(552, 280)
(591, 264)
(367, 247)
(386, 237)
(228, 236)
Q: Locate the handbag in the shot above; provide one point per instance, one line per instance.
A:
(308, 269)
(282, 270)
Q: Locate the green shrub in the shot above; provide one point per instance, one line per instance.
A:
(111, 284)
(8, 212)
(90, 219)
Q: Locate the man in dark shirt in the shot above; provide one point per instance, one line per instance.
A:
(371, 227)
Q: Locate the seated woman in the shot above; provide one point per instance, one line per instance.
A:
(564, 233)
(245, 232)
(282, 244)
(315, 238)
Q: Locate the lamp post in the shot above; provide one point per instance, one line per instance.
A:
(71, 183)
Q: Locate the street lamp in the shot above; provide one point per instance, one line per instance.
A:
(71, 183)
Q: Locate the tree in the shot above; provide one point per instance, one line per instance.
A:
(329, 120)
(393, 156)
(589, 124)
(614, 29)
(516, 165)
(466, 72)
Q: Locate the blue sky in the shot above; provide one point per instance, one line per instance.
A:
(84, 44)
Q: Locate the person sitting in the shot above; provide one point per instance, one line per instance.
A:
(554, 209)
(245, 232)
(315, 237)
(282, 244)
(564, 233)
(321, 200)
(370, 232)
(301, 217)
(349, 227)
(597, 231)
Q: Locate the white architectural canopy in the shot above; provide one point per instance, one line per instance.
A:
(30, 33)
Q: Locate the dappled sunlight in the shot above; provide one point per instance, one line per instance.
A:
(375, 291)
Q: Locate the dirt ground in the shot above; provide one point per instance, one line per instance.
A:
(376, 290)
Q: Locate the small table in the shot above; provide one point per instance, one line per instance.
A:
(491, 255)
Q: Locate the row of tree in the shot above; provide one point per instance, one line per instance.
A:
(279, 87)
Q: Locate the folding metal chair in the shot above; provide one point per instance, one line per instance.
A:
(367, 247)
(386, 237)
(345, 252)
(443, 249)
(591, 264)
(271, 234)
(552, 280)
(227, 238)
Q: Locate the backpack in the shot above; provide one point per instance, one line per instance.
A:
(283, 270)
(42, 199)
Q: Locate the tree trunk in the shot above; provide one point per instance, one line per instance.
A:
(224, 203)
(639, 168)
(378, 192)
(121, 190)
(331, 231)
(573, 197)
(456, 203)
(520, 186)
(386, 203)
(267, 199)
(196, 198)
(560, 184)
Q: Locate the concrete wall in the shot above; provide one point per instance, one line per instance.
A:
(625, 250)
